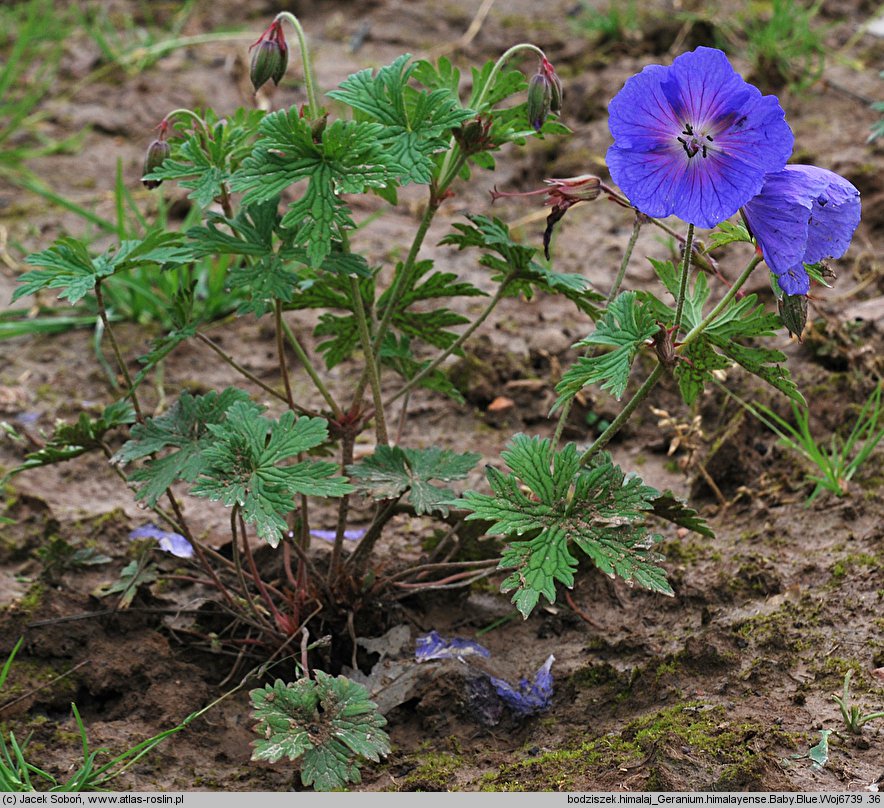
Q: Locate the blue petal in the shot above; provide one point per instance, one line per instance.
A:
(329, 535)
(802, 215)
(795, 281)
(530, 697)
(434, 646)
(833, 218)
(169, 542)
(747, 138)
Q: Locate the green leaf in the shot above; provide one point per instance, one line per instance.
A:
(68, 266)
(720, 345)
(728, 233)
(416, 124)
(392, 471)
(669, 507)
(330, 725)
(513, 257)
(72, 440)
(133, 576)
(397, 354)
(243, 466)
(350, 158)
(184, 428)
(626, 325)
(596, 509)
(210, 162)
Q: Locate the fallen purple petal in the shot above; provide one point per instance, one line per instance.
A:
(329, 535)
(169, 542)
(433, 646)
(530, 697)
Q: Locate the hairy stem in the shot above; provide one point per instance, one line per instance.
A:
(630, 246)
(239, 368)
(683, 281)
(280, 352)
(347, 443)
(498, 296)
(731, 294)
(130, 390)
(374, 377)
(615, 289)
(296, 346)
(640, 395)
(309, 82)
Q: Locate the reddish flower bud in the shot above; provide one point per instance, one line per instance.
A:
(270, 57)
(157, 152)
(544, 94)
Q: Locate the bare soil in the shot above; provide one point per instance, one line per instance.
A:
(722, 687)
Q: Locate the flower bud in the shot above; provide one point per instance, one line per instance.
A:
(157, 152)
(474, 135)
(539, 100)
(556, 91)
(270, 57)
(793, 313)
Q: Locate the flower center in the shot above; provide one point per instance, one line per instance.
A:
(694, 143)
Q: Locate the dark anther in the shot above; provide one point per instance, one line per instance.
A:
(688, 129)
(704, 150)
(709, 138)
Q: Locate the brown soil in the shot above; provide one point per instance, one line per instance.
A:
(720, 687)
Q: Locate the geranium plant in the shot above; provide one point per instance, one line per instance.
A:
(692, 139)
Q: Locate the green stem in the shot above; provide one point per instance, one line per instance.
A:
(621, 274)
(476, 103)
(311, 370)
(630, 246)
(683, 282)
(130, 389)
(731, 293)
(280, 352)
(239, 368)
(371, 365)
(640, 395)
(309, 83)
(498, 296)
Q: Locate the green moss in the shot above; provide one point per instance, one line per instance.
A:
(435, 772)
(32, 598)
(843, 565)
(717, 746)
(594, 676)
(792, 627)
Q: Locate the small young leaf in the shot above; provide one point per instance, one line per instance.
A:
(72, 440)
(210, 161)
(516, 262)
(134, 575)
(392, 471)
(350, 158)
(727, 233)
(329, 724)
(596, 509)
(625, 326)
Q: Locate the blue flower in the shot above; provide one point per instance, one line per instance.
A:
(530, 697)
(694, 139)
(434, 646)
(169, 542)
(329, 535)
(802, 215)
